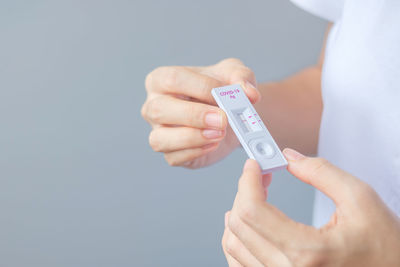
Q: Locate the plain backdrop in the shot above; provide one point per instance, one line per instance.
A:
(79, 184)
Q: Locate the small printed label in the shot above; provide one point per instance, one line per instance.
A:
(231, 93)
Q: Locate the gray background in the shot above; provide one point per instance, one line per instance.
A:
(79, 185)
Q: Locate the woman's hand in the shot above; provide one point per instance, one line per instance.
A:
(362, 231)
(187, 126)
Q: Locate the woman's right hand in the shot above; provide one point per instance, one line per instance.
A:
(188, 127)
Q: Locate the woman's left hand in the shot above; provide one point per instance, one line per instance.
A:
(361, 232)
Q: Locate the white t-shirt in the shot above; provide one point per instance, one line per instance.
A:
(360, 128)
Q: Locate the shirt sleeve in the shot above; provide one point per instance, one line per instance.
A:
(330, 10)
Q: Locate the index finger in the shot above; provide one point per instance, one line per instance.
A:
(337, 184)
(182, 81)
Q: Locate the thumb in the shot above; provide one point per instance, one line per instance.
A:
(252, 183)
(318, 172)
(235, 72)
(250, 89)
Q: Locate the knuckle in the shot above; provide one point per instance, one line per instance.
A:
(194, 114)
(318, 166)
(171, 74)
(171, 160)
(234, 224)
(223, 242)
(243, 73)
(190, 111)
(231, 61)
(247, 211)
(143, 110)
(153, 76)
(149, 81)
(223, 238)
(153, 110)
(154, 141)
(231, 245)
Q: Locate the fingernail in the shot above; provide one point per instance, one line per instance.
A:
(250, 85)
(213, 119)
(212, 134)
(291, 154)
(266, 180)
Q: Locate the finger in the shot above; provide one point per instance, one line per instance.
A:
(252, 180)
(169, 110)
(234, 71)
(235, 250)
(186, 156)
(332, 181)
(272, 224)
(256, 245)
(232, 262)
(169, 139)
(182, 81)
(226, 218)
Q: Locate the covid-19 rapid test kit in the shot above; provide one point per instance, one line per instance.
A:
(249, 128)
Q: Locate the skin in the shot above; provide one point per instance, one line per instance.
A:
(188, 127)
(179, 105)
(361, 232)
(191, 131)
(179, 100)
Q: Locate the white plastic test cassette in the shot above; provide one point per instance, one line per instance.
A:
(249, 128)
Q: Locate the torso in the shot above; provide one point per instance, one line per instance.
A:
(360, 128)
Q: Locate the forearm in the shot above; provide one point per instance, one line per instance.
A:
(292, 109)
